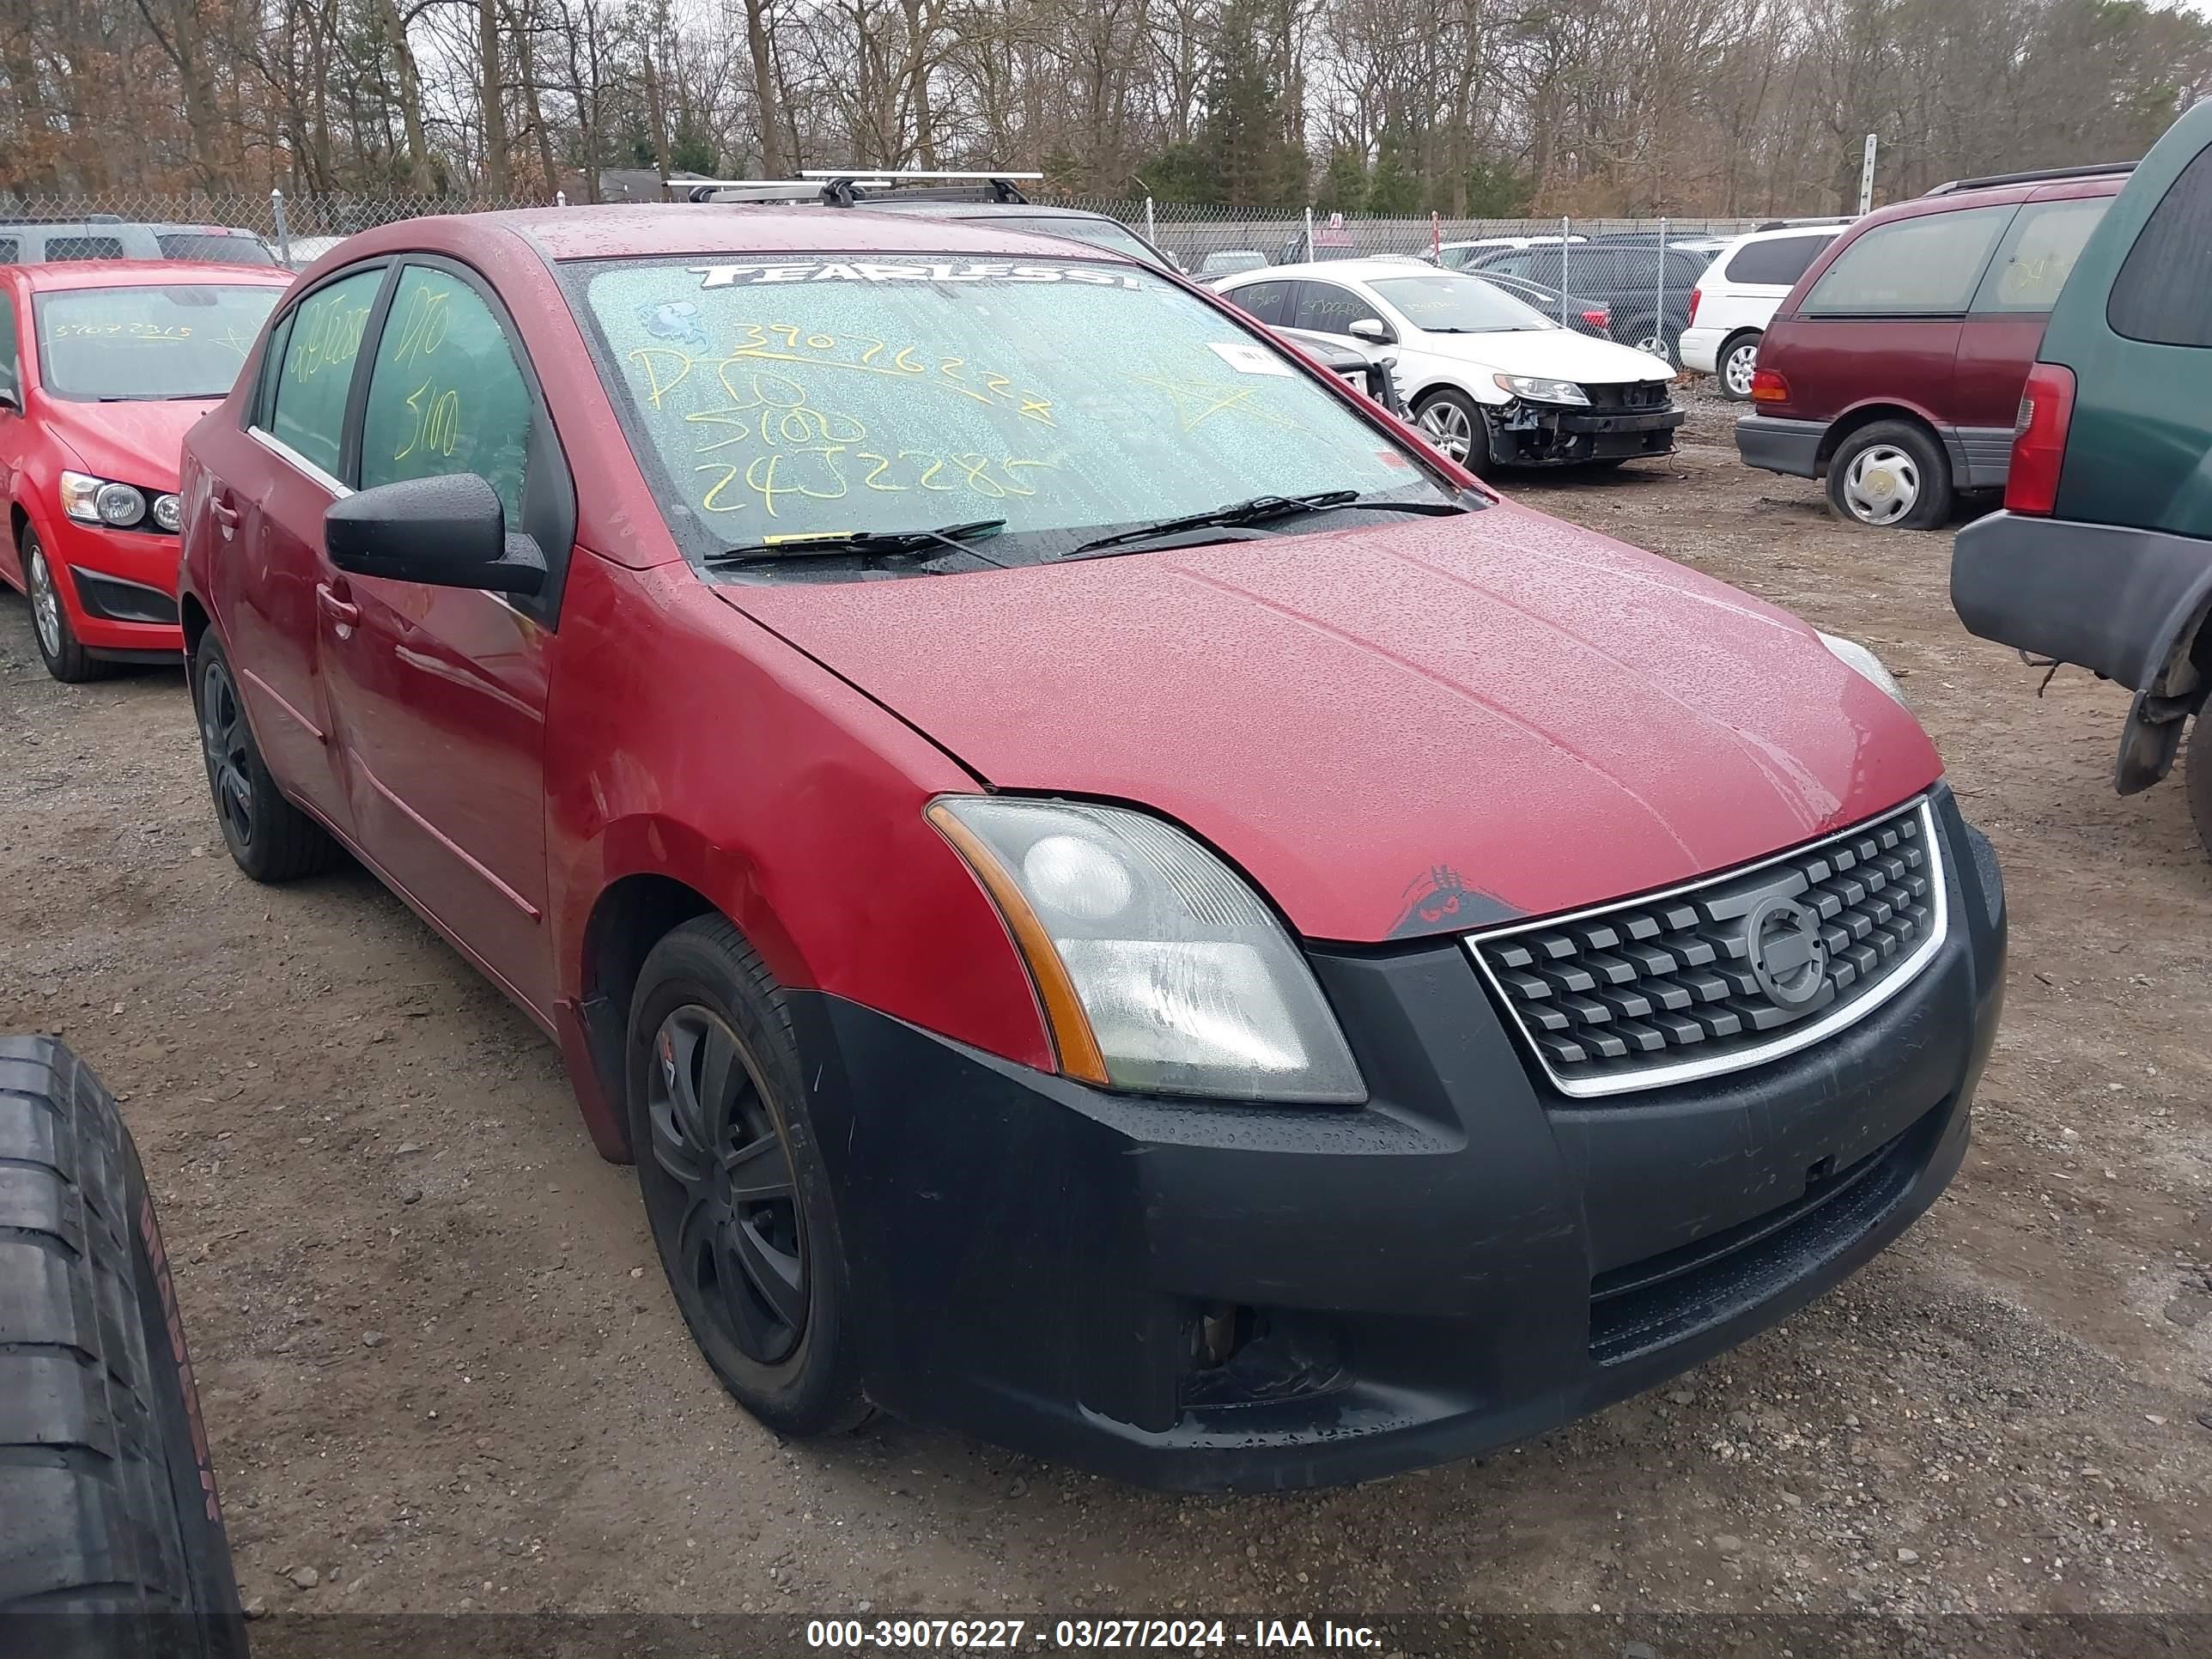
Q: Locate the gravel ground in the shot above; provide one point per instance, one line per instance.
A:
(441, 1372)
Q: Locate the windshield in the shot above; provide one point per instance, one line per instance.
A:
(1445, 302)
(810, 396)
(1098, 233)
(149, 343)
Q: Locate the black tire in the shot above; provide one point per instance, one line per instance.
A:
(108, 1514)
(1929, 488)
(1446, 415)
(2199, 776)
(1736, 389)
(270, 839)
(64, 656)
(736, 1192)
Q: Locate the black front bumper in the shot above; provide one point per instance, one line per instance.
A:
(1222, 1297)
(1547, 434)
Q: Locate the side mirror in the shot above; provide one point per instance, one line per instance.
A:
(448, 531)
(1374, 331)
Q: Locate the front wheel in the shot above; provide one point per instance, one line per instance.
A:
(1455, 424)
(2200, 776)
(59, 648)
(1890, 476)
(1739, 360)
(734, 1189)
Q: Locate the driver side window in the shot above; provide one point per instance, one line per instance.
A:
(11, 373)
(445, 394)
(1325, 308)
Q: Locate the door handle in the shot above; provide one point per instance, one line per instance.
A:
(224, 513)
(339, 610)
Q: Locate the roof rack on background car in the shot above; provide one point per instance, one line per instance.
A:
(851, 186)
(1792, 224)
(2034, 176)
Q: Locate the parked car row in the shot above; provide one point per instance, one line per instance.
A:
(1134, 1110)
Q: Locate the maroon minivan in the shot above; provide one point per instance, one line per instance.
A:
(1895, 367)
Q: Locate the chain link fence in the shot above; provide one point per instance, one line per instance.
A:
(1628, 278)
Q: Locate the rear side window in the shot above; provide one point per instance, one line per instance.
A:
(1266, 302)
(60, 248)
(2038, 254)
(1923, 267)
(10, 251)
(2163, 294)
(1778, 262)
(220, 250)
(444, 395)
(309, 415)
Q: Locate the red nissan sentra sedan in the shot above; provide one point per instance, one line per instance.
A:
(1118, 902)
(103, 366)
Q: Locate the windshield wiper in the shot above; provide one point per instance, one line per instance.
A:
(865, 543)
(1260, 509)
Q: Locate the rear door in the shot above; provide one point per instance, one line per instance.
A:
(267, 495)
(1882, 321)
(2004, 326)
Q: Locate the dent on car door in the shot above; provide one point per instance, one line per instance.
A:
(267, 500)
(439, 692)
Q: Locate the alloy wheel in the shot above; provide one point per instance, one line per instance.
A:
(740, 1243)
(1446, 424)
(1738, 370)
(46, 603)
(224, 738)
(1882, 485)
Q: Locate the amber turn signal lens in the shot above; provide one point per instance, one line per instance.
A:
(1073, 1040)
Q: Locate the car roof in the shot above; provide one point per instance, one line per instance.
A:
(655, 229)
(1336, 271)
(2078, 187)
(144, 273)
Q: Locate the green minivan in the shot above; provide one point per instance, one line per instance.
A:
(2103, 554)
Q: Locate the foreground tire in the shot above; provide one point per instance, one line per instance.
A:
(2198, 775)
(65, 657)
(1455, 424)
(268, 838)
(1733, 368)
(1892, 475)
(109, 1526)
(733, 1187)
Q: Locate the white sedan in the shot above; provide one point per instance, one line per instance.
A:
(1490, 381)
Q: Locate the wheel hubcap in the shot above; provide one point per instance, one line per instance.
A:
(1882, 485)
(1741, 364)
(46, 603)
(740, 1241)
(1448, 429)
(223, 740)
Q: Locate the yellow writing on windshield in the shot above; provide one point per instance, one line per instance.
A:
(1196, 401)
(662, 368)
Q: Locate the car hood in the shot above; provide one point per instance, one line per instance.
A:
(1560, 354)
(1397, 730)
(136, 443)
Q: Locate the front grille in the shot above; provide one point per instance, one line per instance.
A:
(1667, 988)
(1632, 394)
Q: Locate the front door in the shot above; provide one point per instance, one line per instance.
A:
(438, 694)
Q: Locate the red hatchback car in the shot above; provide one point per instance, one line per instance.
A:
(103, 367)
(1118, 902)
(1894, 368)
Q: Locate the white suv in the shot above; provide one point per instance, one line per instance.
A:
(1736, 298)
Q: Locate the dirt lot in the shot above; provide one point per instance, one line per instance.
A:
(441, 1370)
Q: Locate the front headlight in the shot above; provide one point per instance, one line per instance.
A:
(99, 500)
(1159, 969)
(1853, 655)
(1538, 390)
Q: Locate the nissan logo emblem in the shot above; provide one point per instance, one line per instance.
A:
(1787, 956)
